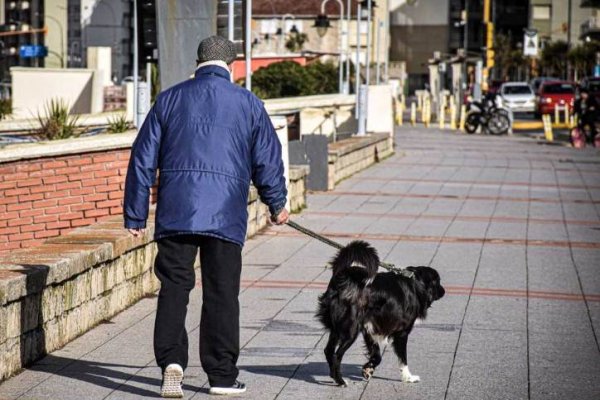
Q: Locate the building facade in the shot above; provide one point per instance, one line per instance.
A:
(571, 21)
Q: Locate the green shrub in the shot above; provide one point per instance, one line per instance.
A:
(118, 124)
(290, 79)
(56, 123)
(5, 108)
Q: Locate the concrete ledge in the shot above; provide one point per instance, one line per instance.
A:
(349, 156)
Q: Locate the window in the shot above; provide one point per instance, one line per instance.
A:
(542, 12)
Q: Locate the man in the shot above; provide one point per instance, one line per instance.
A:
(586, 108)
(209, 138)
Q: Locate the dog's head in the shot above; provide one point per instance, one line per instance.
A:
(431, 281)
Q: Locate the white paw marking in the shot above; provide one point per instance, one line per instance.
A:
(406, 376)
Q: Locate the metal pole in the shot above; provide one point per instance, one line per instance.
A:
(377, 37)
(386, 76)
(230, 20)
(367, 58)
(357, 66)
(248, 44)
(347, 85)
(341, 60)
(135, 65)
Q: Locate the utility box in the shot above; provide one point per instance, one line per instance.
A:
(312, 150)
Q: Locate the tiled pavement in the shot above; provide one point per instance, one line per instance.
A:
(513, 226)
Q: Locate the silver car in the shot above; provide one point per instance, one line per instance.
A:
(518, 96)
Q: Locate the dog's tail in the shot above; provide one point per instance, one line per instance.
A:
(357, 253)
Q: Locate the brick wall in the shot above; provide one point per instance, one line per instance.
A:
(46, 197)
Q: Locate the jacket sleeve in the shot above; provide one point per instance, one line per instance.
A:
(141, 173)
(267, 164)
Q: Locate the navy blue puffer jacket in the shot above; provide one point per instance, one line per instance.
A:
(209, 138)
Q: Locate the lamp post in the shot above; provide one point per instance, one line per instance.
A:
(62, 43)
(248, 44)
(322, 24)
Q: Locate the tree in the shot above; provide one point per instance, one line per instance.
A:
(553, 60)
(508, 58)
(583, 58)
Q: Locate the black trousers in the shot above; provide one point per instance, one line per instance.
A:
(221, 264)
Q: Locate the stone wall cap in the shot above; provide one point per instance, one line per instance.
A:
(354, 143)
(298, 172)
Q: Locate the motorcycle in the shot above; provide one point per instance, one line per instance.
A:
(488, 114)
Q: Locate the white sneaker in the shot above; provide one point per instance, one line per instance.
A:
(237, 388)
(171, 383)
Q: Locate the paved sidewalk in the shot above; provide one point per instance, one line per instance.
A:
(514, 229)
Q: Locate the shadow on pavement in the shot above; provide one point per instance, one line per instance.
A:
(305, 372)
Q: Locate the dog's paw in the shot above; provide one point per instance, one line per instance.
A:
(407, 377)
(367, 372)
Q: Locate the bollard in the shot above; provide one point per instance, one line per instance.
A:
(546, 119)
(413, 113)
(428, 112)
(420, 101)
(463, 117)
(567, 115)
(452, 115)
(399, 113)
(441, 116)
(557, 115)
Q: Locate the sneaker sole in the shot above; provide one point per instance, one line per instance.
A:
(171, 387)
(225, 391)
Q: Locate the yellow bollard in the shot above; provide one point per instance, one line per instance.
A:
(567, 115)
(413, 113)
(420, 102)
(556, 115)
(428, 113)
(452, 115)
(463, 117)
(546, 119)
(441, 116)
(399, 113)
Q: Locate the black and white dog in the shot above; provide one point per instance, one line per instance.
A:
(378, 305)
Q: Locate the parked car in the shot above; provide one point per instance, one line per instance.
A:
(518, 96)
(554, 93)
(535, 83)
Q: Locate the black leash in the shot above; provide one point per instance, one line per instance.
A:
(315, 235)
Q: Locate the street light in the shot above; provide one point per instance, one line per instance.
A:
(281, 30)
(322, 24)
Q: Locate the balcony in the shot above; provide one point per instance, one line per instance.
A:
(590, 29)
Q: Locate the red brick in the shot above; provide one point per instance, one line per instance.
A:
(107, 157)
(57, 210)
(70, 200)
(107, 188)
(122, 171)
(115, 179)
(46, 234)
(67, 171)
(16, 176)
(70, 216)
(9, 215)
(28, 167)
(43, 189)
(42, 173)
(92, 167)
(116, 195)
(55, 179)
(116, 211)
(16, 192)
(31, 213)
(79, 161)
(18, 207)
(57, 195)
(4, 247)
(31, 197)
(45, 218)
(81, 176)
(83, 207)
(67, 186)
(20, 221)
(65, 231)
(7, 169)
(20, 236)
(82, 222)
(33, 228)
(93, 182)
(118, 164)
(96, 213)
(8, 185)
(3, 224)
(29, 182)
(105, 174)
(9, 231)
(82, 192)
(54, 164)
(123, 155)
(95, 197)
(109, 204)
(31, 243)
(45, 203)
(58, 225)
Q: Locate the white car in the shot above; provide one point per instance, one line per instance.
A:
(518, 96)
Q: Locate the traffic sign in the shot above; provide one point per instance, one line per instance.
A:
(33, 50)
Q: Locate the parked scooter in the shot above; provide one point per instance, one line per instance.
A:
(488, 114)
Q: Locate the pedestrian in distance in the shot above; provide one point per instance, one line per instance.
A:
(586, 110)
(209, 138)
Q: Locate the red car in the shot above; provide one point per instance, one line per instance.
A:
(554, 93)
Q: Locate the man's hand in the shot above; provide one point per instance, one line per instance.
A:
(137, 232)
(281, 218)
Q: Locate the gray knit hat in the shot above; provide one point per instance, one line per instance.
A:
(216, 48)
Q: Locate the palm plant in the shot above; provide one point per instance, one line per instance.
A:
(56, 123)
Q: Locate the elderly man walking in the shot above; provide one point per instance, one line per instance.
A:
(208, 138)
